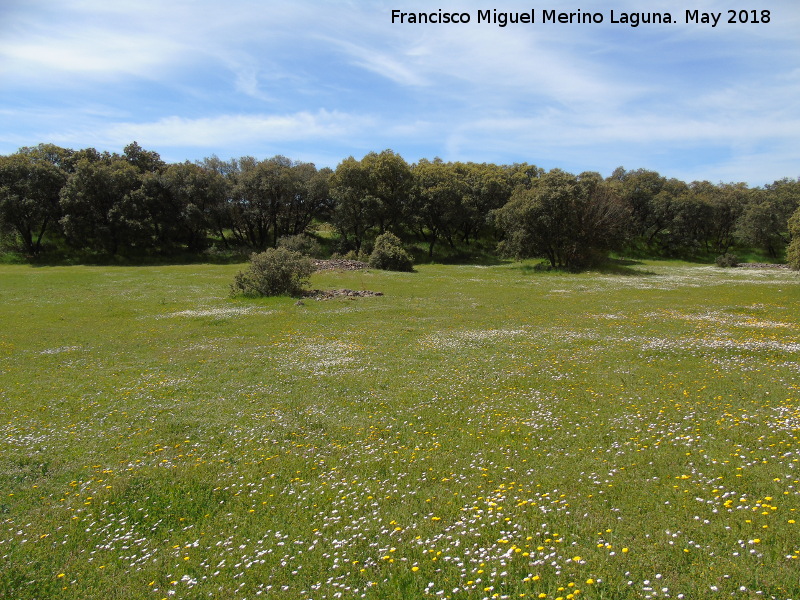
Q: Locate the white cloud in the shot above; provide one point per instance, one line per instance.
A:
(99, 52)
(302, 75)
(227, 130)
(381, 63)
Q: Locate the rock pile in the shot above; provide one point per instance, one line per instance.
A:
(762, 266)
(340, 264)
(328, 294)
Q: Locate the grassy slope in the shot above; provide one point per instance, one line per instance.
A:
(476, 432)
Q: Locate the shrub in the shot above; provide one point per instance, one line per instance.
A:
(351, 255)
(389, 254)
(793, 254)
(727, 260)
(302, 243)
(276, 272)
(793, 251)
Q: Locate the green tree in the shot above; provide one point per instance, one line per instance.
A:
(185, 202)
(639, 189)
(226, 172)
(762, 225)
(30, 184)
(275, 197)
(438, 201)
(727, 201)
(104, 208)
(146, 161)
(522, 174)
(764, 221)
(602, 220)
(486, 188)
(63, 158)
(354, 207)
(784, 195)
(569, 220)
(683, 222)
(389, 183)
(370, 196)
(793, 251)
(306, 197)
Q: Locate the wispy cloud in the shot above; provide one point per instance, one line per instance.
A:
(226, 130)
(333, 77)
(398, 69)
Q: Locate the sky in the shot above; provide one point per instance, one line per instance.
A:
(321, 80)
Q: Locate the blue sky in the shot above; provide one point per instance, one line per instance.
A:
(320, 80)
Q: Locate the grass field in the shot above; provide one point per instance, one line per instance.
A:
(476, 432)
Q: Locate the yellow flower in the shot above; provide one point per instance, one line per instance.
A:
(590, 581)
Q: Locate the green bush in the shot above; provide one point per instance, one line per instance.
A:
(727, 260)
(302, 243)
(389, 254)
(351, 255)
(793, 251)
(276, 272)
(793, 254)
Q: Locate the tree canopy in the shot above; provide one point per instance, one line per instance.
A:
(136, 204)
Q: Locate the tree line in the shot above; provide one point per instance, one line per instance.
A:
(135, 204)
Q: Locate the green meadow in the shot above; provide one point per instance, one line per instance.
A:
(475, 432)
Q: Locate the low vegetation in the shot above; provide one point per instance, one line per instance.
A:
(793, 252)
(274, 272)
(727, 260)
(476, 432)
(389, 254)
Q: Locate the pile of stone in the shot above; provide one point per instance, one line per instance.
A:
(340, 264)
(328, 294)
(762, 266)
